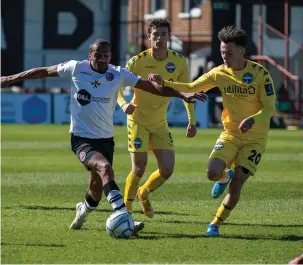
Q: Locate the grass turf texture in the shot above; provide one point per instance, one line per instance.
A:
(42, 181)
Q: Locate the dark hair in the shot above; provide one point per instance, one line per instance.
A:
(99, 42)
(235, 35)
(158, 22)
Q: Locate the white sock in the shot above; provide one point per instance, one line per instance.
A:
(115, 199)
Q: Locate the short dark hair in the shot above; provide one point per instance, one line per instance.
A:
(233, 34)
(158, 22)
(99, 42)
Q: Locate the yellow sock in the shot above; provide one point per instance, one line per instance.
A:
(131, 187)
(222, 214)
(154, 181)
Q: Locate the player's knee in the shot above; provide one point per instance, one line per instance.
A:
(166, 172)
(104, 170)
(138, 170)
(214, 174)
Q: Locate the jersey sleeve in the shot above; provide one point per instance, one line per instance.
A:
(184, 75)
(121, 100)
(128, 78)
(202, 84)
(66, 69)
(190, 107)
(268, 99)
(128, 68)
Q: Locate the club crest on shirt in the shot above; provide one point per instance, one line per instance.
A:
(109, 76)
(137, 142)
(218, 146)
(82, 156)
(170, 67)
(247, 78)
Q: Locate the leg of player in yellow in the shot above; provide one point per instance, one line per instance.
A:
(216, 172)
(139, 162)
(166, 163)
(231, 199)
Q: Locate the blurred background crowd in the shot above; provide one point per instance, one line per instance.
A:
(39, 33)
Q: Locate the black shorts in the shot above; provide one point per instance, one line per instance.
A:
(85, 148)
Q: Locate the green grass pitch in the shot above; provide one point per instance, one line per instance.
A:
(42, 181)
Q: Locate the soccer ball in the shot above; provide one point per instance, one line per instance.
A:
(120, 225)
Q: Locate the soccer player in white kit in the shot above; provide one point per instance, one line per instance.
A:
(94, 90)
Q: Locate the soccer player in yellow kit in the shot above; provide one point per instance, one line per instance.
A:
(249, 103)
(147, 123)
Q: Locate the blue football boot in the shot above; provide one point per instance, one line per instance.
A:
(219, 187)
(212, 230)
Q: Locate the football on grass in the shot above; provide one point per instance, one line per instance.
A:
(120, 225)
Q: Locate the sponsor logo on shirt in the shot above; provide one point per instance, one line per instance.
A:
(269, 89)
(170, 67)
(234, 89)
(95, 83)
(85, 73)
(109, 76)
(247, 78)
(84, 98)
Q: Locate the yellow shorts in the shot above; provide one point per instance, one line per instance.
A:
(142, 138)
(245, 152)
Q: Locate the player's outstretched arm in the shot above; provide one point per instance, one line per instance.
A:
(156, 89)
(202, 84)
(34, 73)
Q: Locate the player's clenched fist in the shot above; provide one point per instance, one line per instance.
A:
(156, 78)
(129, 108)
(246, 125)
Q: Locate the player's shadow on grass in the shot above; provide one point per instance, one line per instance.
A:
(263, 237)
(265, 225)
(159, 235)
(49, 208)
(32, 245)
(234, 224)
(166, 213)
(181, 222)
(56, 208)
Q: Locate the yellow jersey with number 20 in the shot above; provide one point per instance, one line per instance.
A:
(246, 93)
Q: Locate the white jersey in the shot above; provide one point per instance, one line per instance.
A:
(94, 97)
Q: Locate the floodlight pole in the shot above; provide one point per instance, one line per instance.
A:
(260, 29)
(286, 42)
